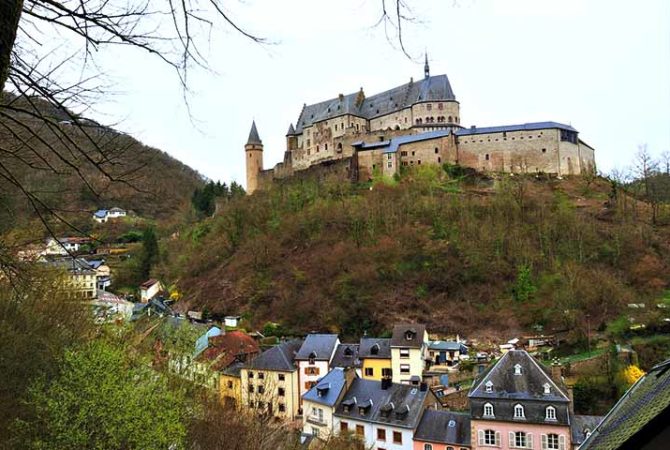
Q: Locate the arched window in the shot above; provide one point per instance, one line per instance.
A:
(547, 388)
(488, 410)
(450, 119)
(517, 369)
(489, 386)
(339, 147)
(427, 447)
(519, 412)
(550, 413)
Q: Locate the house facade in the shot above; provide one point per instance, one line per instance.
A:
(269, 383)
(384, 415)
(446, 353)
(313, 359)
(375, 357)
(517, 405)
(319, 403)
(149, 289)
(409, 345)
(80, 277)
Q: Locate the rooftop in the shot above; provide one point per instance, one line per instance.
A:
(445, 427)
(280, 357)
(408, 335)
(346, 355)
(319, 347)
(375, 348)
(521, 127)
(328, 389)
(225, 349)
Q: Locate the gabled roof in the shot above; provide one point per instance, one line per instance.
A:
(280, 357)
(408, 335)
(644, 406)
(527, 386)
(436, 88)
(404, 402)
(444, 427)
(346, 355)
(447, 345)
(101, 213)
(580, 426)
(521, 127)
(382, 344)
(147, 284)
(253, 135)
(330, 387)
(320, 347)
(225, 349)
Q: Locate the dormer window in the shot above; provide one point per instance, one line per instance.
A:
(517, 369)
(374, 350)
(322, 389)
(489, 386)
(550, 413)
(402, 412)
(519, 412)
(348, 352)
(364, 408)
(488, 410)
(547, 388)
(452, 423)
(409, 335)
(387, 409)
(312, 357)
(348, 404)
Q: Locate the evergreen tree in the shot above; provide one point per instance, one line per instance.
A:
(149, 252)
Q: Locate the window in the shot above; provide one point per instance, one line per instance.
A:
(315, 432)
(544, 150)
(427, 447)
(335, 127)
(404, 352)
(309, 385)
(261, 376)
(437, 150)
(251, 388)
(404, 368)
(387, 372)
(489, 386)
(486, 157)
(381, 434)
(344, 426)
(281, 377)
(325, 146)
(251, 374)
(281, 392)
(547, 388)
(311, 370)
(403, 153)
(397, 437)
(550, 442)
(518, 412)
(429, 106)
(419, 161)
(518, 439)
(488, 410)
(261, 389)
(389, 164)
(488, 437)
(360, 430)
(389, 156)
(230, 384)
(369, 372)
(550, 413)
(517, 369)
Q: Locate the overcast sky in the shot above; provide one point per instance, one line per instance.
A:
(602, 66)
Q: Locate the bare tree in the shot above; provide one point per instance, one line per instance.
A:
(665, 162)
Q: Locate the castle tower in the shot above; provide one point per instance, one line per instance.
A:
(291, 139)
(254, 156)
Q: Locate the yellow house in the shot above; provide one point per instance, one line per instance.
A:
(269, 383)
(375, 357)
(409, 350)
(230, 386)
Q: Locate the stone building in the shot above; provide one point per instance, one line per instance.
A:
(357, 137)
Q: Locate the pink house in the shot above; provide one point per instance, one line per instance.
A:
(517, 405)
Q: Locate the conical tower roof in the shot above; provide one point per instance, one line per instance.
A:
(253, 135)
(291, 131)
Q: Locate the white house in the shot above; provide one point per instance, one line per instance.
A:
(409, 351)
(231, 321)
(314, 358)
(116, 212)
(319, 403)
(64, 245)
(149, 289)
(102, 215)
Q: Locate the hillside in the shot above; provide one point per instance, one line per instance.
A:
(39, 154)
(462, 254)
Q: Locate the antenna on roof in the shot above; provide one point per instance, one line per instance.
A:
(426, 67)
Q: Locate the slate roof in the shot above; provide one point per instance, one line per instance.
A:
(579, 425)
(445, 427)
(280, 357)
(72, 265)
(527, 386)
(394, 143)
(346, 355)
(365, 348)
(253, 135)
(447, 346)
(646, 401)
(399, 337)
(521, 127)
(319, 345)
(434, 88)
(234, 369)
(403, 398)
(101, 213)
(291, 130)
(330, 386)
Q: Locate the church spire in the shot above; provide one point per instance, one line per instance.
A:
(426, 67)
(253, 135)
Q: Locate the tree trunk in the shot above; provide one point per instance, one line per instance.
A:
(10, 13)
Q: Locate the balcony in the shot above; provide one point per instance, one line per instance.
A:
(316, 420)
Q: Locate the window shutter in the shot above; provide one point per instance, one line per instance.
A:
(511, 439)
(561, 442)
(544, 442)
(480, 437)
(529, 440)
(498, 438)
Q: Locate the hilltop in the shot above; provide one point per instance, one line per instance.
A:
(154, 185)
(460, 252)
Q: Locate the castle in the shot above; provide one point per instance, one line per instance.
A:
(357, 137)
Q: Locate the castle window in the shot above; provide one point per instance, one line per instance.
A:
(544, 150)
(486, 157)
(389, 164)
(440, 106)
(325, 146)
(317, 148)
(429, 106)
(249, 155)
(335, 127)
(450, 119)
(439, 160)
(436, 150)
(412, 153)
(418, 162)
(377, 111)
(339, 147)
(356, 127)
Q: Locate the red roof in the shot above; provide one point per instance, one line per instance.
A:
(225, 349)
(148, 283)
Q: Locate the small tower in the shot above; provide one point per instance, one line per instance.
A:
(426, 67)
(254, 156)
(291, 139)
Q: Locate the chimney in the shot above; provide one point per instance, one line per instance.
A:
(349, 376)
(386, 383)
(473, 127)
(556, 372)
(571, 396)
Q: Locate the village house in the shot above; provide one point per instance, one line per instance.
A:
(269, 383)
(231, 321)
(319, 403)
(443, 430)
(375, 357)
(103, 273)
(230, 385)
(64, 245)
(314, 359)
(516, 405)
(446, 353)
(192, 365)
(103, 215)
(346, 356)
(149, 289)
(382, 414)
(108, 307)
(80, 277)
(409, 351)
